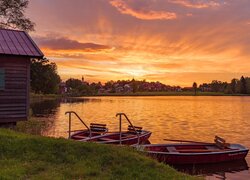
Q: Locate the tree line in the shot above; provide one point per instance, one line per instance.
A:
(236, 86)
(45, 80)
(76, 87)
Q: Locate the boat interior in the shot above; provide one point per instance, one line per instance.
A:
(113, 136)
(219, 145)
(95, 129)
(102, 135)
(99, 132)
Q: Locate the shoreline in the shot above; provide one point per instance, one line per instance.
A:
(170, 94)
(54, 96)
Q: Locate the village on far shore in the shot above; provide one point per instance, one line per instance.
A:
(76, 87)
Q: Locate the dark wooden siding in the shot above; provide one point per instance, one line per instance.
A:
(14, 99)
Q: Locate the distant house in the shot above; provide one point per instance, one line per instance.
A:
(101, 91)
(187, 89)
(63, 88)
(16, 50)
(127, 88)
(119, 89)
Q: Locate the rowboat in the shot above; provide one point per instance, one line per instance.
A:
(126, 137)
(99, 133)
(196, 153)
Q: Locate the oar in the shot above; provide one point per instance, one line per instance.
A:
(178, 140)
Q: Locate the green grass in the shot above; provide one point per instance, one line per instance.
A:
(44, 96)
(25, 156)
(34, 126)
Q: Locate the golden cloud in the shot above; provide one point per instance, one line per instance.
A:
(200, 4)
(144, 14)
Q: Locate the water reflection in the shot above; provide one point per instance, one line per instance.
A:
(48, 107)
(218, 170)
(79, 100)
(44, 108)
(190, 118)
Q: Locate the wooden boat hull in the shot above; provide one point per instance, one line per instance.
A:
(238, 152)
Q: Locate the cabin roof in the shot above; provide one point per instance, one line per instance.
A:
(18, 43)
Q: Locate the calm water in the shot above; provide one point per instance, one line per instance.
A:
(191, 118)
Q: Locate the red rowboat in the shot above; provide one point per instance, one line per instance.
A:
(196, 153)
(99, 133)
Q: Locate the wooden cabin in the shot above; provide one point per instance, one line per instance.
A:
(16, 50)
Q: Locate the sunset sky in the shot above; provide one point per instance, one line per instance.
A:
(175, 42)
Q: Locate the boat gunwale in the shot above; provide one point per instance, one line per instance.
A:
(242, 150)
(111, 141)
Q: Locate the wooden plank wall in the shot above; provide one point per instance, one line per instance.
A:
(14, 99)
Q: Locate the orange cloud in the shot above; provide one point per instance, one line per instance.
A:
(144, 14)
(62, 43)
(200, 4)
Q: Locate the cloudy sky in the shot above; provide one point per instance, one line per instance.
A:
(176, 42)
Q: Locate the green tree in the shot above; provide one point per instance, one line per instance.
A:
(243, 85)
(195, 88)
(73, 83)
(134, 85)
(228, 89)
(110, 86)
(12, 15)
(80, 88)
(248, 84)
(233, 85)
(44, 77)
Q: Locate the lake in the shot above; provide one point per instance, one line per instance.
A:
(174, 117)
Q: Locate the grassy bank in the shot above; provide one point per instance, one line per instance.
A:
(34, 157)
(44, 96)
(34, 126)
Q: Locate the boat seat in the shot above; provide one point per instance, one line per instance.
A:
(221, 143)
(98, 127)
(132, 130)
(171, 149)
